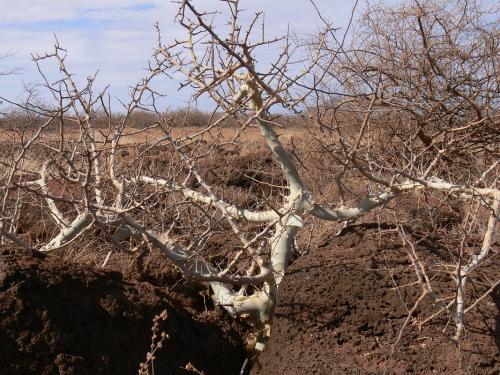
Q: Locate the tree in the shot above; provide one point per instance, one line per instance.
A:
(419, 111)
(384, 92)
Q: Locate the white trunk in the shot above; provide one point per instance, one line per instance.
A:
(72, 231)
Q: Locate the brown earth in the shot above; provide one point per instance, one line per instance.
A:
(58, 317)
(338, 313)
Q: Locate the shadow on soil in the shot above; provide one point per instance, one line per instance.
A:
(62, 318)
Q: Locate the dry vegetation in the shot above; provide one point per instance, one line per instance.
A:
(397, 125)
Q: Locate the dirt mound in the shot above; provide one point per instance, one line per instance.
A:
(63, 318)
(339, 313)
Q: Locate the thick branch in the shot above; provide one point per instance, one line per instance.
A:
(348, 213)
(234, 211)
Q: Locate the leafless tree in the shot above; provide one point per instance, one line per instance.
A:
(416, 99)
(410, 97)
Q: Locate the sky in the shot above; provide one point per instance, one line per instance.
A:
(117, 37)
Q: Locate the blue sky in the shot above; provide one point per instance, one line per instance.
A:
(117, 37)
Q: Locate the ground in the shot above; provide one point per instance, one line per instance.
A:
(339, 313)
(340, 308)
(59, 317)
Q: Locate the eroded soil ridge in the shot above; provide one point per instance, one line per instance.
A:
(58, 317)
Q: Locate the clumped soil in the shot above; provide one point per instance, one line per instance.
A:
(339, 313)
(340, 308)
(58, 317)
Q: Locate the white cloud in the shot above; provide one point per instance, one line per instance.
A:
(117, 38)
(26, 11)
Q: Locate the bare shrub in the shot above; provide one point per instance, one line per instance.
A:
(158, 338)
(418, 104)
(396, 116)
